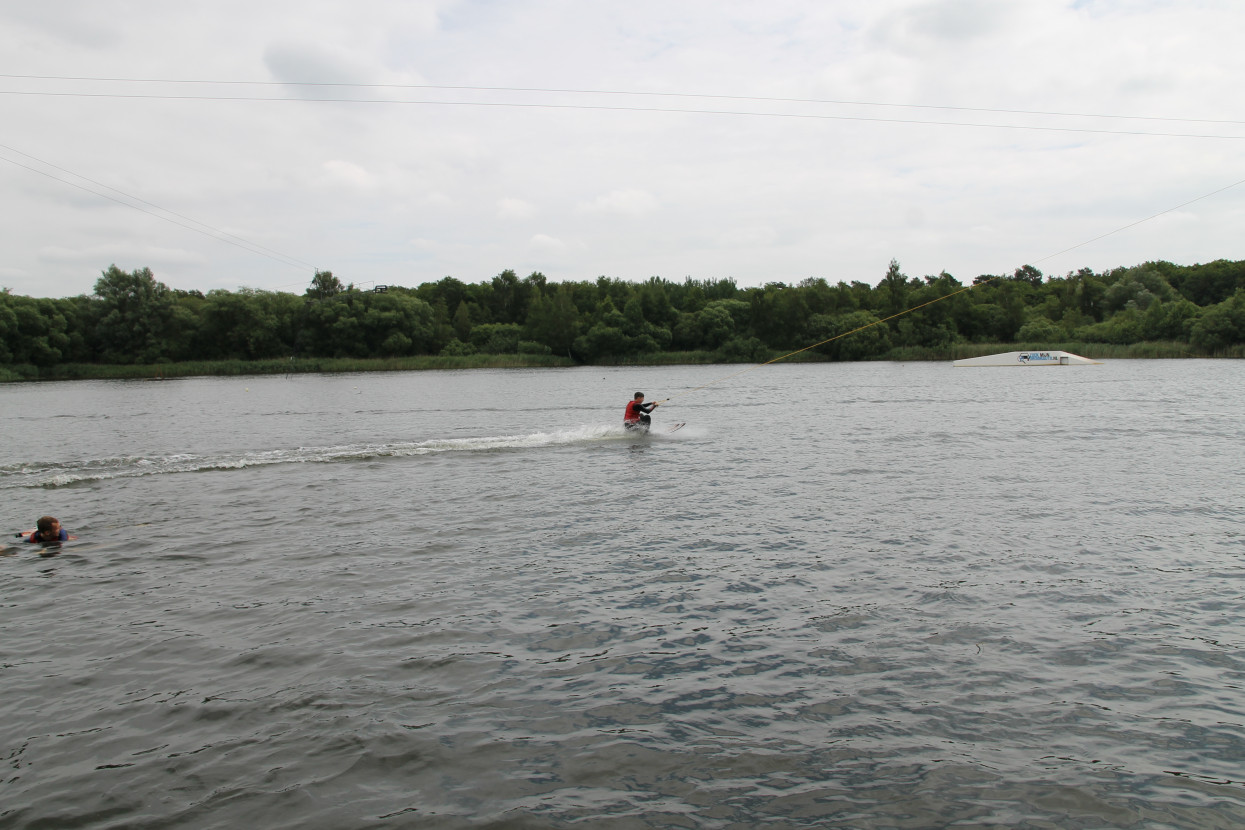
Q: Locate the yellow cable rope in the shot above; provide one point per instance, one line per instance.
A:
(831, 339)
(952, 294)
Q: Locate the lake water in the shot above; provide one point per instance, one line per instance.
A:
(873, 595)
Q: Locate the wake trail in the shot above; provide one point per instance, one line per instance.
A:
(62, 474)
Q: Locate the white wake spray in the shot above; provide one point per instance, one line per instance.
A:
(41, 474)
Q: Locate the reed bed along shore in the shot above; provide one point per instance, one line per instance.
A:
(289, 366)
(957, 351)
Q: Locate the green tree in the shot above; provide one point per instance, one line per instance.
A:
(933, 322)
(614, 335)
(395, 324)
(714, 325)
(462, 321)
(1221, 325)
(1090, 294)
(457, 348)
(602, 341)
(32, 331)
(9, 332)
(446, 290)
(633, 314)
(1040, 332)
(1206, 284)
(184, 337)
(248, 325)
(1172, 320)
(324, 285)
(507, 297)
(856, 336)
(1135, 288)
(555, 321)
(693, 296)
(1028, 274)
(137, 315)
(655, 303)
(1006, 311)
(894, 288)
(779, 315)
(496, 338)
(607, 314)
(743, 350)
(1121, 329)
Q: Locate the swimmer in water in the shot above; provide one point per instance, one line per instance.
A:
(48, 529)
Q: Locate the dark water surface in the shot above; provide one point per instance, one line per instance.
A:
(863, 595)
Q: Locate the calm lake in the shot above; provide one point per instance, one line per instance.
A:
(874, 595)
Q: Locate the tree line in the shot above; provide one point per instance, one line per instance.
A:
(134, 318)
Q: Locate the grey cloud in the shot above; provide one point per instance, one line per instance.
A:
(295, 63)
(953, 21)
(79, 24)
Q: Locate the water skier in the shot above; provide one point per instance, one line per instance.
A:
(636, 416)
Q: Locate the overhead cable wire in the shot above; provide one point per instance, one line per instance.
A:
(634, 93)
(1140, 221)
(195, 225)
(618, 108)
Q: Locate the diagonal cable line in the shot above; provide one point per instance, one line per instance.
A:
(188, 223)
(1140, 221)
(947, 296)
(635, 93)
(611, 108)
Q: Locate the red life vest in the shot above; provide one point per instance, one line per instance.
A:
(632, 415)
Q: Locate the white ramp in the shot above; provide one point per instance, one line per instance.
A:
(1035, 358)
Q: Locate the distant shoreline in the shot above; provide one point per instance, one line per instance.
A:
(288, 366)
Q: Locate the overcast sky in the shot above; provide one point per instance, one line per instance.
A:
(400, 141)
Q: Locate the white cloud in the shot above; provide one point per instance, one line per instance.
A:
(114, 252)
(541, 242)
(955, 22)
(348, 173)
(511, 208)
(315, 63)
(451, 181)
(747, 237)
(86, 25)
(629, 202)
